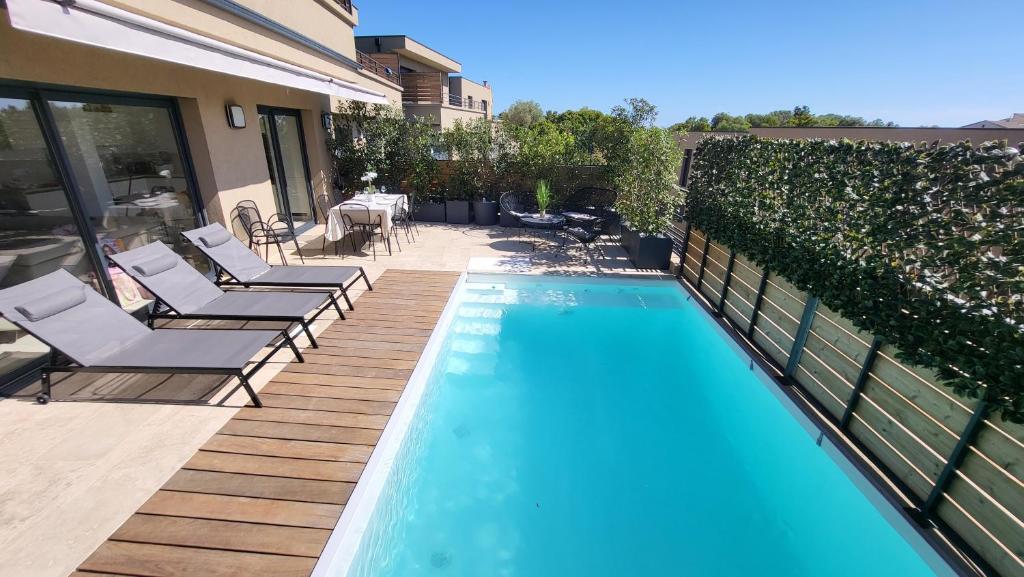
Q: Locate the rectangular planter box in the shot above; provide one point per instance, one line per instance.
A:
(457, 211)
(430, 212)
(652, 252)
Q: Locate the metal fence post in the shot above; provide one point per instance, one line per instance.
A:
(810, 307)
(757, 303)
(955, 460)
(703, 260)
(858, 387)
(725, 282)
(686, 249)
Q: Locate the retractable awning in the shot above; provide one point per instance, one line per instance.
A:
(97, 24)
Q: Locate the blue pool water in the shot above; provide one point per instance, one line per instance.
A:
(607, 429)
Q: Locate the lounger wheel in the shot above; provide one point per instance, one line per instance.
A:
(42, 398)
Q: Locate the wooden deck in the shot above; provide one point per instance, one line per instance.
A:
(262, 495)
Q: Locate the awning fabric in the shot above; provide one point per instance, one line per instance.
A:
(97, 24)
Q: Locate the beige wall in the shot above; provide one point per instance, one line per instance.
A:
(311, 18)
(442, 116)
(465, 87)
(230, 163)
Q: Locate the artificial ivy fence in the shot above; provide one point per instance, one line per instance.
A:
(920, 245)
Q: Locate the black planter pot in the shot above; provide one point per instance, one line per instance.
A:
(485, 212)
(430, 212)
(628, 238)
(651, 251)
(456, 211)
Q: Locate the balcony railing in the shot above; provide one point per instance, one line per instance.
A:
(467, 103)
(377, 68)
(345, 5)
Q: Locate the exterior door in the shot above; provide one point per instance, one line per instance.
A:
(83, 175)
(285, 147)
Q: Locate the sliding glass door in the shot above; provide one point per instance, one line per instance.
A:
(83, 176)
(285, 148)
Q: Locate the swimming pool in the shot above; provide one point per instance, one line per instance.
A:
(600, 428)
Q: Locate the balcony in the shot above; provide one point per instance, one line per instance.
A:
(429, 88)
(346, 5)
(371, 65)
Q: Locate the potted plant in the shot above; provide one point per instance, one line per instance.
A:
(430, 207)
(456, 199)
(543, 197)
(648, 195)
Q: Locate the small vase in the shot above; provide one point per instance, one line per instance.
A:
(543, 214)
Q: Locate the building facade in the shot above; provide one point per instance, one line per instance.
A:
(126, 122)
(431, 87)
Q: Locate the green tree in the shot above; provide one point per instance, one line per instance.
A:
(724, 122)
(692, 124)
(522, 113)
(469, 147)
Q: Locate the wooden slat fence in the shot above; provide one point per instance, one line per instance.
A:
(956, 464)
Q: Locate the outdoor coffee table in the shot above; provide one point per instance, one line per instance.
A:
(548, 222)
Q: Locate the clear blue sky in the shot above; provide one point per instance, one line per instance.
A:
(914, 62)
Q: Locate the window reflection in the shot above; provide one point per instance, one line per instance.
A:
(131, 177)
(38, 234)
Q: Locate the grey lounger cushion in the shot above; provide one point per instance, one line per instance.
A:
(86, 332)
(49, 305)
(96, 332)
(189, 292)
(182, 287)
(308, 275)
(247, 267)
(254, 304)
(232, 255)
(184, 348)
(215, 238)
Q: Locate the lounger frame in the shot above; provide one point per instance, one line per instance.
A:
(242, 374)
(224, 278)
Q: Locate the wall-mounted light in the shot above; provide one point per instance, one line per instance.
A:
(236, 116)
(326, 120)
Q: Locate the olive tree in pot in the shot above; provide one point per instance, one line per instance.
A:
(468, 145)
(648, 195)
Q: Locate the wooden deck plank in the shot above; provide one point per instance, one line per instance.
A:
(246, 509)
(261, 496)
(228, 535)
(275, 466)
(275, 401)
(313, 450)
(333, 392)
(146, 560)
(261, 487)
(301, 432)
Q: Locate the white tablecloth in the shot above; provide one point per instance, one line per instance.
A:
(382, 205)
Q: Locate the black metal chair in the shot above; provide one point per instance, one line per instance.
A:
(324, 205)
(403, 219)
(277, 230)
(599, 202)
(517, 205)
(368, 226)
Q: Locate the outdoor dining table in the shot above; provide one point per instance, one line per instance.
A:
(549, 222)
(382, 205)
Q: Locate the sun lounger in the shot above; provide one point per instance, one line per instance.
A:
(97, 336)
(238, 265)
(182, 292)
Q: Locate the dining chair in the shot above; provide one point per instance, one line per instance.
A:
(261, 233)
(368, 225)
(401, 218)
(324, 205)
